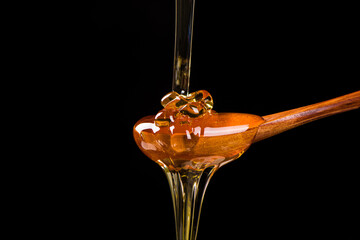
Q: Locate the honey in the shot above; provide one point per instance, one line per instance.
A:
(188, 134)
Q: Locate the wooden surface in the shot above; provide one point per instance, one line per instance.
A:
(283, 121)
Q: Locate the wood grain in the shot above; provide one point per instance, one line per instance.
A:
(283, 121)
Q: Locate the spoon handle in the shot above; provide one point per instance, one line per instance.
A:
(279, 122)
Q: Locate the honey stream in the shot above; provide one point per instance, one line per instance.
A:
(188, 139)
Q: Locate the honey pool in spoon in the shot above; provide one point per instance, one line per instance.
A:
(188, 134)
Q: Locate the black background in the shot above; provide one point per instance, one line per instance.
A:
(113, 62)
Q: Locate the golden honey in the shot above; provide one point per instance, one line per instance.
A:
(188, 134)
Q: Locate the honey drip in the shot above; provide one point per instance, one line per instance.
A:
(188, 134)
